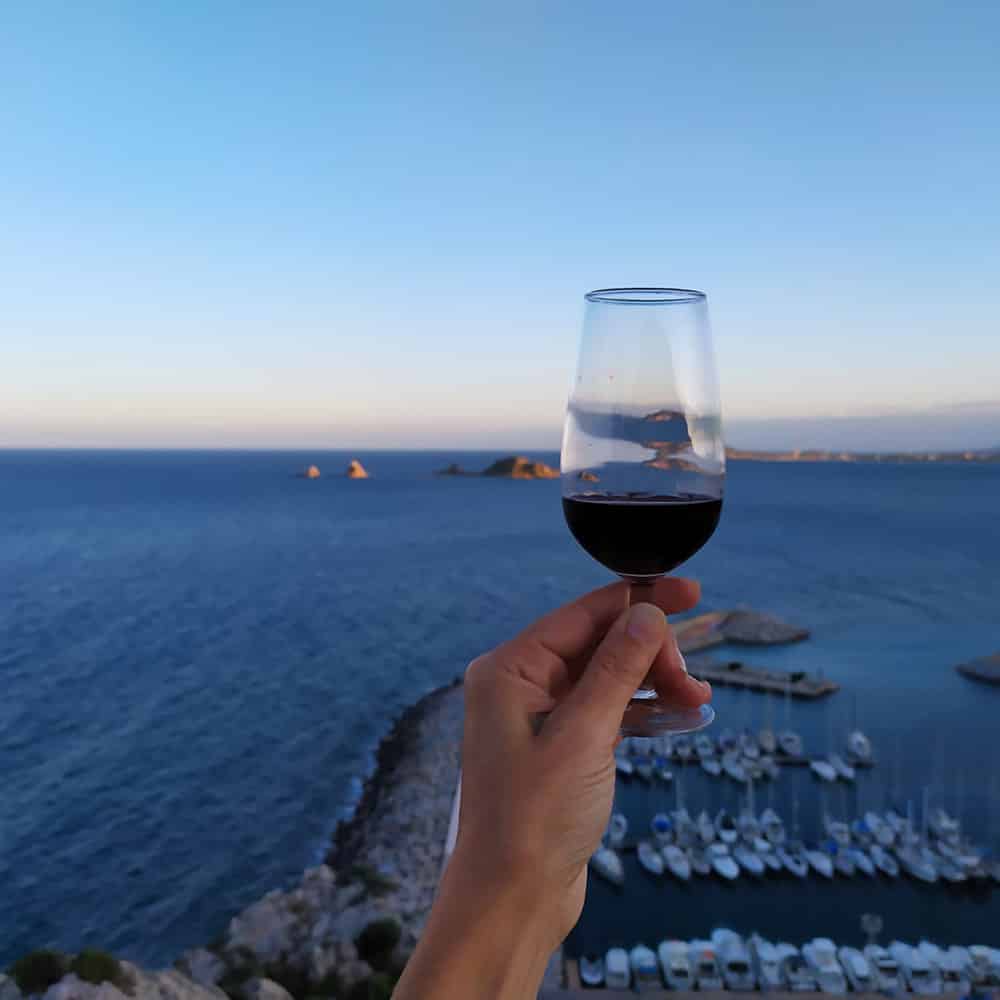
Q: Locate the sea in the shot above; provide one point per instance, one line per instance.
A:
(200, 651)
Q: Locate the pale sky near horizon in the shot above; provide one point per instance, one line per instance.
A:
(309, 224)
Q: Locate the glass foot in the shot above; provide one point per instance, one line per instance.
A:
(649, 716)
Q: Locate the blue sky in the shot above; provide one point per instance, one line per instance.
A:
(309, 224)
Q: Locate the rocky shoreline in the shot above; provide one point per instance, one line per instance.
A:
(346, 929)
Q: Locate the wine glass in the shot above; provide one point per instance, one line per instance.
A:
(643, 462)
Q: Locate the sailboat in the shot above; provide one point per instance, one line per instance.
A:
(766, 739)
(650, 857)
(617, 829)
(608, 864)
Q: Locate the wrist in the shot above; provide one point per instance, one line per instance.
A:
(489, 934)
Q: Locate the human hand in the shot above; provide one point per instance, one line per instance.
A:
(542, 718)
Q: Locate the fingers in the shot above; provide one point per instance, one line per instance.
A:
(672, 681)
(598, 700)
(574, 628)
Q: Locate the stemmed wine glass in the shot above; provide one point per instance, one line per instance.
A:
(643, 461)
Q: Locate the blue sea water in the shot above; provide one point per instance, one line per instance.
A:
(199, 652)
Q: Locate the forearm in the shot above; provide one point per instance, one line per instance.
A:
(484, 938)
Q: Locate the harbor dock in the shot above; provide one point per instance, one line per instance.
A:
(734, 673)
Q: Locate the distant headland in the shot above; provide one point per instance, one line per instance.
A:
(891, 457)
(512, 467)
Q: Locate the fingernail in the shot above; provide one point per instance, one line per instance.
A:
(645, 622)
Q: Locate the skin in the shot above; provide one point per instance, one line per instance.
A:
(542, 714)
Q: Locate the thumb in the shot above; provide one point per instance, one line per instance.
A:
(599, 698)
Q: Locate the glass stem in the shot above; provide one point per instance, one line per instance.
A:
(641, 592)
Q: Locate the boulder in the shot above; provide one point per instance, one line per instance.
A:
(755, 629)
(985, 669)
(355, 470)
(265, 989)
(519, 467)
(8, 988)
(203, 966)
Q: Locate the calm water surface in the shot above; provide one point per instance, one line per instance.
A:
(200, 652)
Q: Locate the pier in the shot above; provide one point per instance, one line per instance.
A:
(735, 673)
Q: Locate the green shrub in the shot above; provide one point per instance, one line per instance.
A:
(377, 986)
(94, 966)
(331, 985)
(294, 979)
(38, 970)
(376, 942)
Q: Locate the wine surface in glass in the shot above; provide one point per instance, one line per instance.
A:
(642, 535)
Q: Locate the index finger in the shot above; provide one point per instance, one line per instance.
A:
(573, 629)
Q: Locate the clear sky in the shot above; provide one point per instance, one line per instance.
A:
(362, 225)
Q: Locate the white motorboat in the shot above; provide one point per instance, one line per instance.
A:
(661, 768)
(650, 857)
(821, 955)
(897, 823)
(725, 827)
(711, 766)
(769, 855)
(790, 743)
(769, 766)
(859, 746)
(644, 768)
(918, 863)
(843, 769)
(734, 768)
(663, 828)
(747, 824)
(820, 862)
(884, 861)
(823, 769)
(703, 746)
(886, 976)
(705, 828)
(843, 864)
(862, 861)
(857, 970)
(793, 857)
(683, 748)
(608, 865)
(677, 861)
(704, 965)
(953, 965)
(722, 861)
(766, 963)
(767, 741)
(699, 862)
(748, 860)
(617, 830)
(624, 766)
(645, 969)
(685, 832)
(592, 970)
(984, 964)
(734, 961)
(773, 828)
(918, 973)
(837, 831)
(795, 970)
(748, 746)
(949, 871)
(617, 970)
(943, 826)
(881, 831)
(675, 965)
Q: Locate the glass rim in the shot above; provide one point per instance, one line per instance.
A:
(646, 296)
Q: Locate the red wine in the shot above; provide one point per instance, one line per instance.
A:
(637, 534)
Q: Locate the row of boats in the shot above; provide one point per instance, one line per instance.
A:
(727, 961)
(744, 756)
(730, 846)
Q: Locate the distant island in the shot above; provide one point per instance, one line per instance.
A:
(512, 467)
(894, 457)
